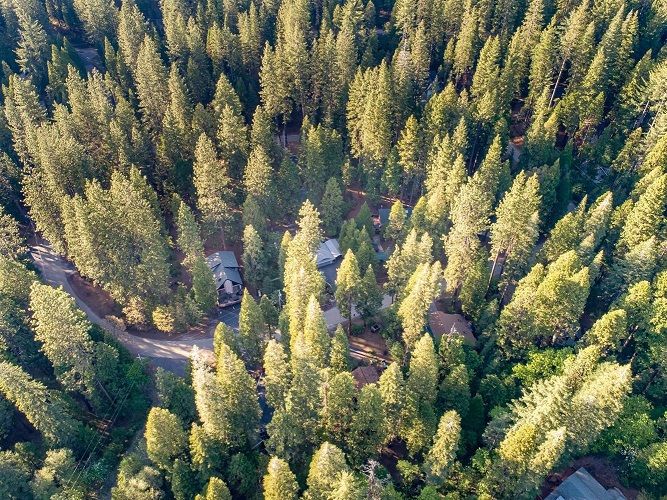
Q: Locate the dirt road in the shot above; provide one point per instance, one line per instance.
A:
(168, 354)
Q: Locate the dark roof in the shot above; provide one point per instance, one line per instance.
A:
(328, 252)
(225, 267)
(383, 214)
(582, 486)
(224, 257)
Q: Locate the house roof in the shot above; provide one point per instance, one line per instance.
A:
(582, 486)
(364, 375)
(328, 252)
(383, 214)
(442, 323)
(225, 267)
(224, 257)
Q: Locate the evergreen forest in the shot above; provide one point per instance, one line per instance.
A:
(501, 164)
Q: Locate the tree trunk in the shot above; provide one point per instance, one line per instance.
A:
(560, 73)
(284, 134)
(493, 268)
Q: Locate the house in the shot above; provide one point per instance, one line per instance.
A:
(441, 323)
(364, 375)
(227, 275)
(328, 253)
(383, 216)
(582, 485)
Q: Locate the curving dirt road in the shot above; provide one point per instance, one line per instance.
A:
(168, 354)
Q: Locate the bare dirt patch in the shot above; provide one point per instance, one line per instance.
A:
(95, 297)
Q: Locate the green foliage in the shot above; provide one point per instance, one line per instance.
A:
(165, 437)
(497, 122)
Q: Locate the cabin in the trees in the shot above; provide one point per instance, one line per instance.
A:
(328, 253)
(581, 484)
(441, 323)
(382, 218)
(226, 271)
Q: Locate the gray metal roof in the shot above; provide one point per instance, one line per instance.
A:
(328, 252)
(582, 486)
(224, 257)
(225, 267)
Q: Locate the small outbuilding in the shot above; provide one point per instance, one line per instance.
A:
(441, 323)
(227, 275)
(582, 485)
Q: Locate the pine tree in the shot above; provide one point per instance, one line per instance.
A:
(392, 390)
(151, 79)
(348, 282)
(565, 412)
(254, 259)
(423, 373)
(337, 406)
(370, 298)
(516, 228)
(105, 250)
(277, 373)
(327, 464)
(396, 224)
(227, 400)
(608, 331)
(405, 259)
(646, 216)
(33, 48)
(301, 277)
(54, 311)
(188, 238)
(45, 409)
(211, 181)
(494, 173)
(470, 217)
(257, 179)
(543, 64)
(332, 207)
(313, 345)
(204, 288)
(367, 432)
(340, 352)
(410, 150)
(11, 241)
(279, 481)
(225, 95)
(251, 330)
(466, 43)
(442, 454)
(422, 289)
(217, 490)
(233, 143)
(364, 219)
(165, 437)
(546, 305)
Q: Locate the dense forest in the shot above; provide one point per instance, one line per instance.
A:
(519, 148)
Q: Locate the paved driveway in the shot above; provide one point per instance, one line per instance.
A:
(230, 316)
